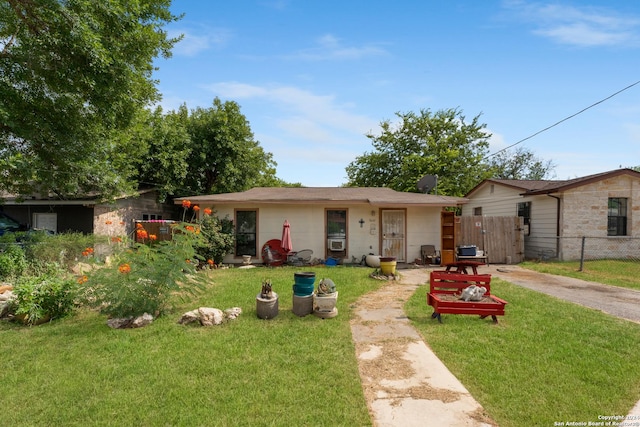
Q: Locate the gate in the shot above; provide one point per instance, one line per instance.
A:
(393, 231)
(500, 237)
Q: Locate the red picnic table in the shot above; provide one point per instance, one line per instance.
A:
(461, 266)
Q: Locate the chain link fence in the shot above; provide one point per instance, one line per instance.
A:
(582, 248)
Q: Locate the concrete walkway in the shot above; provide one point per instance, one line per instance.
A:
(406, 385)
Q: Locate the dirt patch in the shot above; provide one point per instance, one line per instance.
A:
(390, 366)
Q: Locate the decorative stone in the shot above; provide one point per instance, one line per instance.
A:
(207, 316)
(210, 316)
(189, 317)
(130, 322)
(232, 313)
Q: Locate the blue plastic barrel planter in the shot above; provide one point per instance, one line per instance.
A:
(304, 283)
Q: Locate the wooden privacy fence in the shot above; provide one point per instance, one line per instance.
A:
(500, 237)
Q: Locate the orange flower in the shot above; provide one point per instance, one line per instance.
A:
(210, 262)
(124, 268)
(190, 228)
(87, 252)
(207, 211)
(153, 237)
(82, 279)
(188, 261)
(196, 208)
(139, 225)
(142, 234)
(186, 204)
(116, 240)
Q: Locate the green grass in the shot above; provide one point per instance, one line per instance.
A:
(546, 361)
(623, 273)
(248, 372)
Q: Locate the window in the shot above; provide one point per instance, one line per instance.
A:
(336, 231)
(524, 210)
(477, 211)
(246, 226)
(151, 217)
(617, 217)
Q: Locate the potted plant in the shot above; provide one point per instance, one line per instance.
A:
(267, 301)
(325, 299)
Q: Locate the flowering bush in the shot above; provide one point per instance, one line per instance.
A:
(42, 298)
(217, 233)
(143, 278)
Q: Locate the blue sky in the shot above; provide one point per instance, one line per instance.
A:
(314, 77)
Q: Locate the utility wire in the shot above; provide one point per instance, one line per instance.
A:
(563, 120)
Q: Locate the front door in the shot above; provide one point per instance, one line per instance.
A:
(393, 232)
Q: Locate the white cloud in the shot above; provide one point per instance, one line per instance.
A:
(298, 106)
(195, 41)
(329, 47)
(579, 26)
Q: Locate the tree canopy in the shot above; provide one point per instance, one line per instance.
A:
(201, 151)
(520, 163)
(74, 75)
(443, 143)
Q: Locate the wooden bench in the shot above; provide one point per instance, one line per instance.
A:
(444, 291)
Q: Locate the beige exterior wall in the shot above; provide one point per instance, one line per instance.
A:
(117, 219)
(501, 200)
(585, 210)
(495, 200)
(582, 211)
(308, 228)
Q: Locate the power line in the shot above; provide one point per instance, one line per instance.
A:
(564, 120)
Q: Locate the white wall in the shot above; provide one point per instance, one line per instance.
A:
(308, 227)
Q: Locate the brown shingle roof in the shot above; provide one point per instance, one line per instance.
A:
(532, 187)
(365, 195)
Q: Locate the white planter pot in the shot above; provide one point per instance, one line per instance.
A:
(373, 261)
(325, 303)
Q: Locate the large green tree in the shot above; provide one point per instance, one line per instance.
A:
(441, 143)
(165, 140)
(224, 157)
(74, 75)
(520, 163)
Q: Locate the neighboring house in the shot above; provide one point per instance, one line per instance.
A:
(343, 223)
(605, 208)
(87, 215)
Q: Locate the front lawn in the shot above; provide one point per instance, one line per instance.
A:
(249, 372)
(547, 361)
(624, 273)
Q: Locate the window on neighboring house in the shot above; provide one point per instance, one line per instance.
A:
(524, 210)
(477, 211)
(148, 217)
(246, 236)
(617, 217)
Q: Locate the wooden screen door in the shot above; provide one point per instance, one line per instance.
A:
(393, 232)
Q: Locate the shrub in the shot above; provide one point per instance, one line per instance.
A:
(13, 261)
(41, 298)
(218, 235)
(142, 278)
(62, 249)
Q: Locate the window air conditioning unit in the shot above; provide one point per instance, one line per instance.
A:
(336, 244)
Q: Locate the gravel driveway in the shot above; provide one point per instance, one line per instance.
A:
(613, 300)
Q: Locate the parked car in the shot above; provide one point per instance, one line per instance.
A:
(8, 224)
